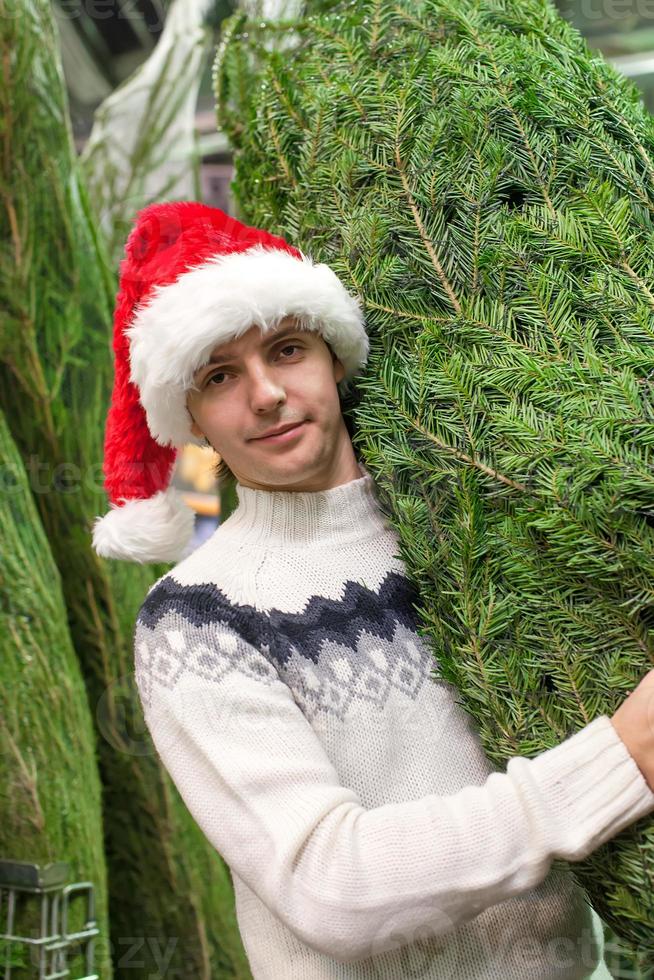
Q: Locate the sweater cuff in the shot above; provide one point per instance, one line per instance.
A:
(595, 788)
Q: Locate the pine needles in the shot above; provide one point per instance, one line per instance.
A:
(486, 184)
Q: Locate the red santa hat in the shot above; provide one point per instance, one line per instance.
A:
(194, 277)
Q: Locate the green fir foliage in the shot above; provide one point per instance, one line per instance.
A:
(50, 792)
(486, 185)
(170, 894)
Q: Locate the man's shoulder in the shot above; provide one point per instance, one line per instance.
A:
(192, 599)
(210, 575)
(196, 629)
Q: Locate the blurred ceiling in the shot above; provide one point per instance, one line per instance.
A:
(622, 31)
(103, 41)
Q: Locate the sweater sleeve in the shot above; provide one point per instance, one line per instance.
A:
(346, 879)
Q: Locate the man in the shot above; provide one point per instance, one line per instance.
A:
(284, 380)
(280, 666)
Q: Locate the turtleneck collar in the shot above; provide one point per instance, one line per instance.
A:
(288, 518)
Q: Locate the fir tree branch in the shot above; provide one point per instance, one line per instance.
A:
(423, 232)
(456, 453)
(640, 149)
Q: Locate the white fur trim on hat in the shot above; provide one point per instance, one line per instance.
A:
(173, 334)
(154, 529)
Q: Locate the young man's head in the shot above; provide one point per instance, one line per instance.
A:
(196, 282)
(264, 381)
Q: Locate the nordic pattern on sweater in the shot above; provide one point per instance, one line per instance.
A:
(365, 644)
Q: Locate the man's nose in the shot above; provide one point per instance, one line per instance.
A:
(266, 392)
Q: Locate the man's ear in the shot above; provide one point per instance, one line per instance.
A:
(196, 430)
(339, 370)
(193, 425)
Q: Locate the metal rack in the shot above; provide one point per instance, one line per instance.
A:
(49, 950)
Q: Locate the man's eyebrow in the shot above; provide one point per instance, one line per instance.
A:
(221, 357)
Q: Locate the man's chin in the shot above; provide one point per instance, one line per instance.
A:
(280, 475)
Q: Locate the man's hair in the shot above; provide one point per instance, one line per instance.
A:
(224, 475)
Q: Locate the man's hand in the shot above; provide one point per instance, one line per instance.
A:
(634, 723)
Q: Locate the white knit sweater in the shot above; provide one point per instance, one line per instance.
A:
(303, 720)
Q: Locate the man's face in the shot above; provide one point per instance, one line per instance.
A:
(261, 382)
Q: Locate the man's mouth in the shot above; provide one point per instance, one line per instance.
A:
(285, 432)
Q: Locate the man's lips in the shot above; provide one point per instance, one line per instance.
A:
(286, 431)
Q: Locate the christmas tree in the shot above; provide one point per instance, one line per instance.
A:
(165, 892)
(485, 184)
(51, 793)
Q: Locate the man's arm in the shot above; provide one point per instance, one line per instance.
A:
(258, 782)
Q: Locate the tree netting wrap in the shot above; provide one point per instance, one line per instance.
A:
(486, 185)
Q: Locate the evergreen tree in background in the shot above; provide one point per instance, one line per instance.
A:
(50, 792)
(486, 185)
(169, 893)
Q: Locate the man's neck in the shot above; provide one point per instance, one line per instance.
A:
(346, 513)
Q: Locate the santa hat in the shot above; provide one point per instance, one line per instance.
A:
(194, 277)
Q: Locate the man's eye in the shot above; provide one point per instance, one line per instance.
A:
(215, 375)
(290, 347)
